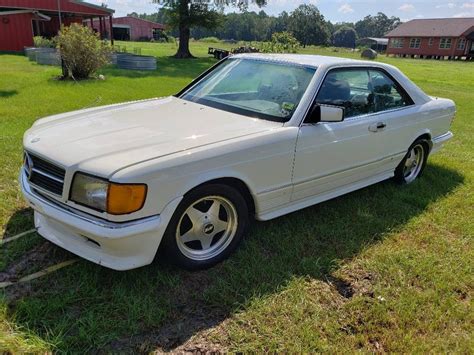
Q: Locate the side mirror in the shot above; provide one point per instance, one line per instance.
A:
(325, 113)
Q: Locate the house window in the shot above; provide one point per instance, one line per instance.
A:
(415, 42)
(430, 41)
(445, 43)
(396, 43)
(461, 43)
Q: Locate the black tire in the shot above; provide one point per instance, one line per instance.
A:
(176, 251)
(402, 176)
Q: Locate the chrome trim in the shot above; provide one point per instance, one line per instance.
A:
(443, 138)
(47, 175)
(78, 214)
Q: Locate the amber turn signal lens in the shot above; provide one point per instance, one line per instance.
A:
(125, 198)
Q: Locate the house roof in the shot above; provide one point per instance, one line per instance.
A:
(439, 27)
(66, 6)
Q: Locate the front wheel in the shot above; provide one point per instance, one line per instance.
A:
(207, 227)
(414, 163)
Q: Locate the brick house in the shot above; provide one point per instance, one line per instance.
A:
(451, 38)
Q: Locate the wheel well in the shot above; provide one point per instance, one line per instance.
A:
(237, 184)
(426, 137)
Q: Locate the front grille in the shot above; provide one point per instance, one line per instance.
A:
(44, 174)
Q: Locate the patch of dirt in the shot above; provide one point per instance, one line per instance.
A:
(343, 287)
(40, 257)
(185, 330)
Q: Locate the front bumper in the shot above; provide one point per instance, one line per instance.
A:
(119, 246)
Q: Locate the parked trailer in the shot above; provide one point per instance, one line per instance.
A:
(218, 53)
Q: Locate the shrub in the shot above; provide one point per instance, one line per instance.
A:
(82, 51)
(41, 42)
(282, 42)
(210, 40)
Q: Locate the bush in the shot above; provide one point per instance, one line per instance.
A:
(41, 42)
(282, 42)
(82, 51)
(210, 40)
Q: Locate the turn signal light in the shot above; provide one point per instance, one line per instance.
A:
(125, 198)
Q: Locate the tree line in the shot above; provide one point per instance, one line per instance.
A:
(306, 23)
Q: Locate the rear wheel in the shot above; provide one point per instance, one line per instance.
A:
(412, 166)
(207, 227)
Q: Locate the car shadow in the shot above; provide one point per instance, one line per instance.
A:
(164, 307)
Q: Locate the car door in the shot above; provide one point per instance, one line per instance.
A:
(331, 156)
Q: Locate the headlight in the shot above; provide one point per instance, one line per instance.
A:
(106, 196)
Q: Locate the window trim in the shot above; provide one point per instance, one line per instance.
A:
(459, 42)
(365, 115)
(414, 41)
(431, 42)
(397, 42)
(446, 39)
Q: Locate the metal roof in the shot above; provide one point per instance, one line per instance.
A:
(439, 27)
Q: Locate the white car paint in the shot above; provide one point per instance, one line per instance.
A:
(173, 145)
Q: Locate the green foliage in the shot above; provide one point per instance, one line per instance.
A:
(376, 26)
(82, 51)
(42, 42)
(344, 37)
(309, 26)
(210, 40)
(282, 42)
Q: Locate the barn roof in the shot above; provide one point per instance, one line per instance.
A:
(72, 6)
(439, 27)
(126, 19)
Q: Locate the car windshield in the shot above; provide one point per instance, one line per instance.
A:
(254, 88)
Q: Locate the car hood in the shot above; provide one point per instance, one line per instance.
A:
(106, 139)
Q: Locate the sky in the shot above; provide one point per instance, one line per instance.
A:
(336, 10)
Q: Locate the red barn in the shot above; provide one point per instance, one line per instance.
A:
(451, 38)
(129, 28)
(21, 20)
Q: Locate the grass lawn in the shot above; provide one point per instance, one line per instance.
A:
(386, 268)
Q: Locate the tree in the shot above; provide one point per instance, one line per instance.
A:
(376, 26)
(344, 37)
(187, 14)
(308, 25)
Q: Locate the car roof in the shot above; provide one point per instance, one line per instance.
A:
(306, 59)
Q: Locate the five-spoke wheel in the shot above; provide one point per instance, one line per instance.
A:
(206, 227)
(414, 162)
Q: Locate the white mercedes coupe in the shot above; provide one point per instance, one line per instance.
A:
(256, 136)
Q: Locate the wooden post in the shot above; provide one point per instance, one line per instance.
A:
(100, 27)
(111, 30)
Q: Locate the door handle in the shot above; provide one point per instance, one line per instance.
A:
(377, 126)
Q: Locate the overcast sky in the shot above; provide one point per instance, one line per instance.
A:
(336, 10)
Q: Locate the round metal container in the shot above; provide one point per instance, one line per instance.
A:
(48, 57)
(136, 62)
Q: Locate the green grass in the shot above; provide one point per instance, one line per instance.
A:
(387, 268)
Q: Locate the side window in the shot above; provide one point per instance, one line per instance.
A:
(348, 88)
(387, 94)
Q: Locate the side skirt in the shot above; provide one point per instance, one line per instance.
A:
(309, 201)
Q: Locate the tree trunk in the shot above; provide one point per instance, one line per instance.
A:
(183, 49)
